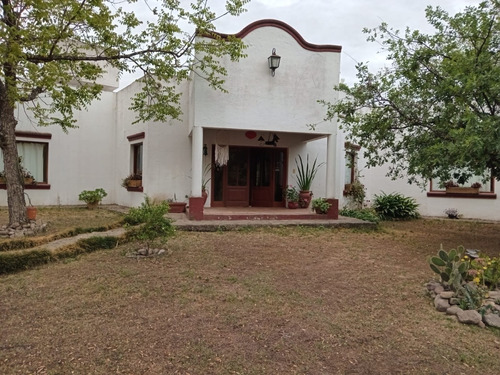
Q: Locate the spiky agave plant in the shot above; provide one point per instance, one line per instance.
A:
(306, 173)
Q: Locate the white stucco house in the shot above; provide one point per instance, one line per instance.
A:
(260, 126)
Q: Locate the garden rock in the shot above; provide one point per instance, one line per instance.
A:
(441, 304)
(438, 289)
(494, 294)
(17, 230)
(446, 295)
(431, 285)
(492, 320)
(453, 310)
(469, 317)
(147, 253)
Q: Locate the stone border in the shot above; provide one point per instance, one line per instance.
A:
(446, 301)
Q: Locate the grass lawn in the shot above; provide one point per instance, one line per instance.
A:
(264, 301)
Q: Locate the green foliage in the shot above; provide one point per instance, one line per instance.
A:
(151, 221)
(321, 205)
(87, 33)
(486, 271)
(366, 214)
(97, 243)
(131, 177)
(306, 173)
(21, 260)
(92, 196)
(291, 194)
(433, 113)
(471, 296)
(395, 206)
(450, 266)
(356, 191)
(17, 261)
(205, 179)
(59, 49)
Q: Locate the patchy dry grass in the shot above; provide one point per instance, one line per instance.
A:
(62, 222)
(275, 301)
(64, 218)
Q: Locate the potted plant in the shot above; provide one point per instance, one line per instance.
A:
(356, 191)
(133, 180)
(28, 177)
(92, 197)
(320, 205)
(453, 187)
(30, 210)
(204, 182)
(452, 213)
(292, 197)
(176, 207)
(305, 177)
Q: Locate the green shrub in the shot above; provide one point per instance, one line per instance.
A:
(152, 220)
(395, 206)
(92, 196)
(471, 296)
(17, 261)
(366, 214)
(321, 205)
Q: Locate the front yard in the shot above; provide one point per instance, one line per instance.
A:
(267, 301)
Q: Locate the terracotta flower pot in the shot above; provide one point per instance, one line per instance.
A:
(134, 183)
(304, 198)
(293, 205)
(204, 194)
(31, 212)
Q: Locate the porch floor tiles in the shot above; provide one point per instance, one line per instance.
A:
(229, 218)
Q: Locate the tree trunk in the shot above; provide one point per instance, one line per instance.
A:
(14, 179)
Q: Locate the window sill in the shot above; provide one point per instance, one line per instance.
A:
(443, 194)
(38, 186)
(138, 189)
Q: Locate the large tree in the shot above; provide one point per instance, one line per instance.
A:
(434, 111)
(53, 51)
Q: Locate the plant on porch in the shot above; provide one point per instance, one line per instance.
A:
(207, 172)
(305, 177)
(320, 205)
(292, 196)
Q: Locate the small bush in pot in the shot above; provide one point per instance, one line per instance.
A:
(130, 179)
(320, 205)
(92, 197)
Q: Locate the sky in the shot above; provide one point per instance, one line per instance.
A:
(341, 23)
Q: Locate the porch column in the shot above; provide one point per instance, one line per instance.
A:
(196, 161)
(332, 169)
(196, 200)
(332, 176)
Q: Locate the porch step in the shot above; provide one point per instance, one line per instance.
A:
(310, 216)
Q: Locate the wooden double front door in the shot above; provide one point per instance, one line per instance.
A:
(252, 177)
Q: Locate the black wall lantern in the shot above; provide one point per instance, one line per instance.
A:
(274, 61)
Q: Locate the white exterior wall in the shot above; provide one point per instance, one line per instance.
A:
(80, 160)
(376, 182)
(166, 152)
(286, 102)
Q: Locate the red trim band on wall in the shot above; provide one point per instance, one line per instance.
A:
(280, 25)
(20, 133)
(135, 137)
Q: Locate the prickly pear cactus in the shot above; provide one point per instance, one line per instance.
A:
(450, 267)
